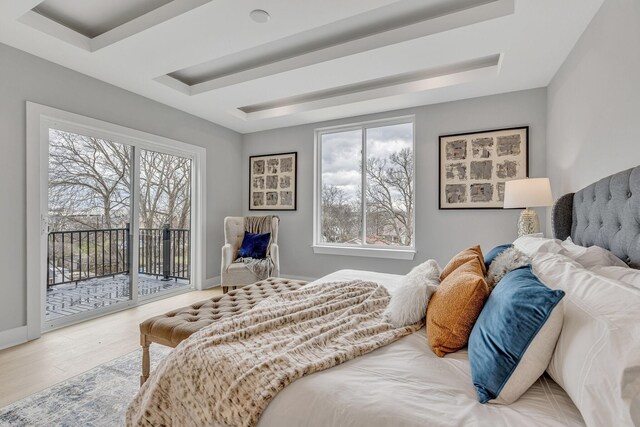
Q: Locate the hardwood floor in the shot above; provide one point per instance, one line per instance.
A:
(67, 352)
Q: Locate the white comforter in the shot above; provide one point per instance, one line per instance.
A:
(405, 384)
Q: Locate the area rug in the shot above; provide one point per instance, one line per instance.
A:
(96, 398)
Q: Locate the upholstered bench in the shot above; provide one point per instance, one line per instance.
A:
(172, 328)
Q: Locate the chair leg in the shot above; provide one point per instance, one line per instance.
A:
(146, 358)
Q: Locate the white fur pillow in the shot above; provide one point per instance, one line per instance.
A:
(507, 261)
(408, 304)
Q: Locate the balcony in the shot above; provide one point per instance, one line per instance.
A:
(90, 269)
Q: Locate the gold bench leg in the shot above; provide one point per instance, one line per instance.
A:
(146, 358)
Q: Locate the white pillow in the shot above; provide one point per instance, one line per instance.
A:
(593, 256)
(597, 357)
(627, 275)
(532, 244)
(408, 304)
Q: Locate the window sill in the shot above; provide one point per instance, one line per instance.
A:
(407, 254)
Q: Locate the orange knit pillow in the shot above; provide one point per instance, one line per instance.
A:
(455, 306)
(463, 257)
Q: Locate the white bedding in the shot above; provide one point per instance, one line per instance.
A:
(406, 384)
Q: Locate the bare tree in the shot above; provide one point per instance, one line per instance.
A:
(340, 216)
(390, 196)
(165, 183)
(389, 200)
(89, 184)
(87, 177)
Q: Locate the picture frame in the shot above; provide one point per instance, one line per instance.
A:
(273, 183)
(473, 166)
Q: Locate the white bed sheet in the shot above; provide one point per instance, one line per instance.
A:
(405, 384)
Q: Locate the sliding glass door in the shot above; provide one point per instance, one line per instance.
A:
(119, 224)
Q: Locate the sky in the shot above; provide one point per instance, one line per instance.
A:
(341, 153)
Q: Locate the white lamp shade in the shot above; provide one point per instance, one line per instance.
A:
(527, 193)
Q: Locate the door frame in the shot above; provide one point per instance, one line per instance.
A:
(39, 119)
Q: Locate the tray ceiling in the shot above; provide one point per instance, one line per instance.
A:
(92, 18)
(312, 61)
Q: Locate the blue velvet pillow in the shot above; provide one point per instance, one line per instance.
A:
(254, 245)
(513, 339)
(493, 253)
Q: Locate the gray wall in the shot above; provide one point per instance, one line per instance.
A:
(439, 234)
(24, 77)
(594, 101)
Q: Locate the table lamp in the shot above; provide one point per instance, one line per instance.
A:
(528, 193)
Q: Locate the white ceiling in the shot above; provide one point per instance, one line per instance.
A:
(313, 61)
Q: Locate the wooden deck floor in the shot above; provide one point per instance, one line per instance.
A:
(71, 298)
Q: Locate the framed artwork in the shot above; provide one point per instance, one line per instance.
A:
(475, 166)
(272, 182)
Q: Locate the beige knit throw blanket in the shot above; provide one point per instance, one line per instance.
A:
(227, 373)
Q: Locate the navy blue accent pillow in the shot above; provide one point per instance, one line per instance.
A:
(254, 245)
(493, 253)
(519, 308)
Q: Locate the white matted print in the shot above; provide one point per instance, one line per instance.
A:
(272, 182)
(475, 166)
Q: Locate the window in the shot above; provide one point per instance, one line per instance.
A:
(365, 189)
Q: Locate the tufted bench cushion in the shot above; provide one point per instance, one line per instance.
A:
(175, 326)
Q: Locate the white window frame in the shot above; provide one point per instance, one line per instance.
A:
(364, 249)
(39, 119)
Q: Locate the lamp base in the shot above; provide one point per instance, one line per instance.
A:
(528, 222)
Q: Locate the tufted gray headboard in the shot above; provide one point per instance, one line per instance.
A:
(605, 214)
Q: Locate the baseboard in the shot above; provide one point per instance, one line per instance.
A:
(12, 337)
(294, 277)
(213, 282)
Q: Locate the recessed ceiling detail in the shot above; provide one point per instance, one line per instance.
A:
(92, 25)
(418, 81)
(313, 61)
(378, 28)
(91, 18)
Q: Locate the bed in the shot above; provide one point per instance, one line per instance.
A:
(405, 384)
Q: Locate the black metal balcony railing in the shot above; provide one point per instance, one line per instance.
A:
(74, 256)
(165, 252)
